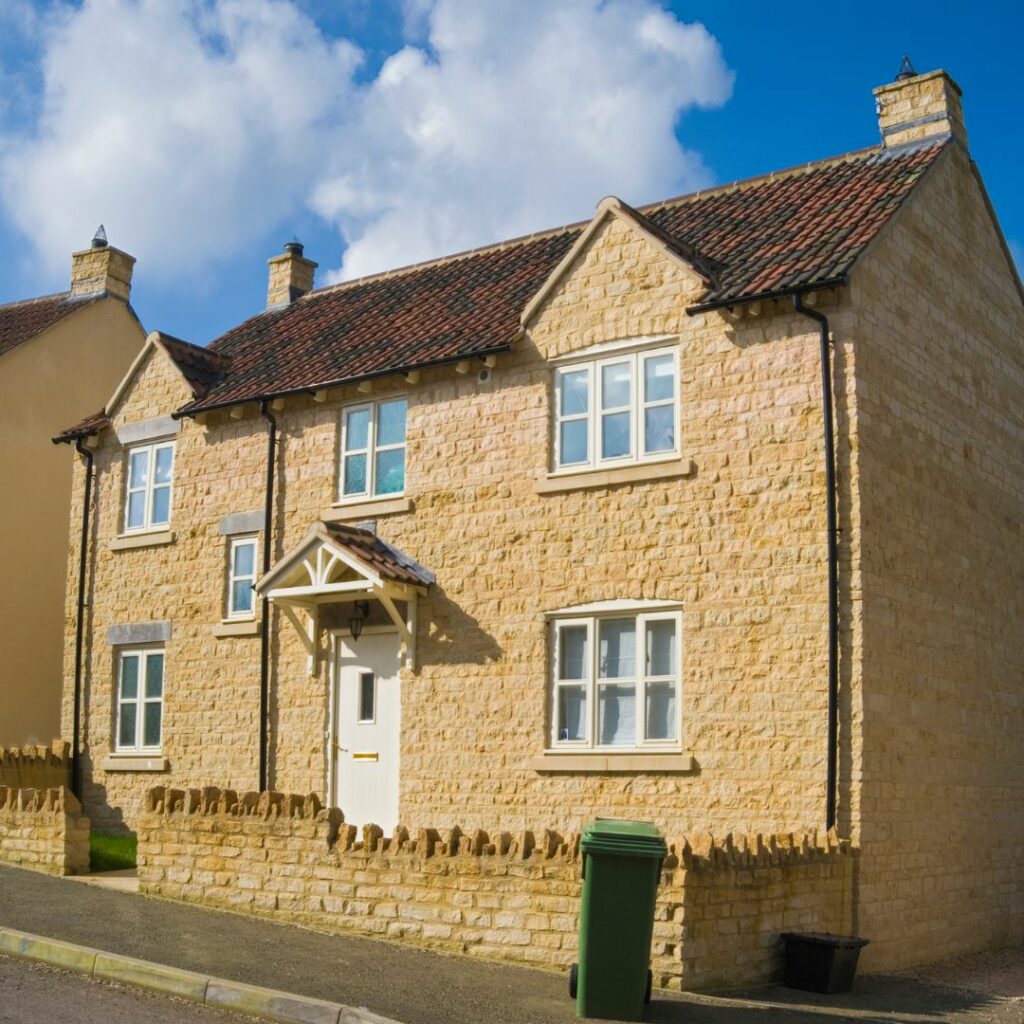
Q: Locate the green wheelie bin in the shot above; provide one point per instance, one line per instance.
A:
(621, 868)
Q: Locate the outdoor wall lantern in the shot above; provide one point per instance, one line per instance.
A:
(360, 609)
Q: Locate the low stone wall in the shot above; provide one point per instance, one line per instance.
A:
(43, 829)
(721, 905)
(36, 767)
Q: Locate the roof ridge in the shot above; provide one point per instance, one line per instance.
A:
(644, 209)
(42, 298)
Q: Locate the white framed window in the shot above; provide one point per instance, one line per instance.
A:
(616, 681)
(373, 449)
(620, 409)
(241, 577)
(140, 700)
(150, 479)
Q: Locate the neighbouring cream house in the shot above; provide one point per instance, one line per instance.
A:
(583, 524)
(59, 354)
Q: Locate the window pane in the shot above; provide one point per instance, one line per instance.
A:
(574, 392)
(661, 711)
(161, 504)
(138, 468)
(367, 685)
(615, 385)
(572, 652)
(357, 429)
(615, 432)
(155, 675)
(661, 648)
(126, 732)
(660, 428)
(390, 477)
(245, 557)
(355, 474)
(164, 464)
(151, 724)
(659, 384)
(617, 648)
(391, 422)
(241, 596)
(129, 677)
(572, 712)
(137, 509)
(616, 722)
(572, 446)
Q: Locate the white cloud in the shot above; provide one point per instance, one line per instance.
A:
(191, 127)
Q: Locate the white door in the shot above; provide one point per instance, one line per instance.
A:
(367, 708)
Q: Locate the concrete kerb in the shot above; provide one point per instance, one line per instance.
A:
(200, 988)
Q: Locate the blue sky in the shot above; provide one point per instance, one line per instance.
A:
(205, 133)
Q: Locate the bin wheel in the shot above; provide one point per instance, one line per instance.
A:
(574, 972)
(647, 991)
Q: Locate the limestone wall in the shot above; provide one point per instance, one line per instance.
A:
(36, 767)
(721, 905)
(940, 441)
(43, 829)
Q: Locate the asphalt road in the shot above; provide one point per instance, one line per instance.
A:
(33, 993)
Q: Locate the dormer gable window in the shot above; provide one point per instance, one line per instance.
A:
(619, 408)
(149, 474)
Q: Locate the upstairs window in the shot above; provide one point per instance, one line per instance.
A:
(373, 449)
(140, 701)
(616, 681)
(241, 577)
(616, 410)
(150, 478)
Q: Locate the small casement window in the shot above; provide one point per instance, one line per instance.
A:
(140, 700)
(373, 448)
(616, 681)
(150, 478)
(241, 577)
(616, 410)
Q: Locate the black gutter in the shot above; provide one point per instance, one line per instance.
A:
(777, 293)
(83, 565)
(312, 389)
(268, 521)
(833, 557)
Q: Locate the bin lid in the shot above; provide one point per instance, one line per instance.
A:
(623, 838)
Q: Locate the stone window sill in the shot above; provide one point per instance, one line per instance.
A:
(131, 541)
(654, 762)
(237, 627)
(134, 763)
(556, 483)
(342, 510)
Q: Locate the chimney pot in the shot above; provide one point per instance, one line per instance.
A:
(291, 275)
(906, 70)
(99, 239)
(919, 106)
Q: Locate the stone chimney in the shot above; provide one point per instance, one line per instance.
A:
(918, 106)
(101, 269)
(291, 275)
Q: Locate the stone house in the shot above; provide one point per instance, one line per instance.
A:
(543, 531)
(60, 356)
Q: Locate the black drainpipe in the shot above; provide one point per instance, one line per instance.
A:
(268, 519)
(83, 564)
(833, 558)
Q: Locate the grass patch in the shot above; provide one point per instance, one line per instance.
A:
(111, 853)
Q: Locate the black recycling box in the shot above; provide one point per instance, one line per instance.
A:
(818, 962)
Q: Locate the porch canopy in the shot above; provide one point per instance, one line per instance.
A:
(337, 564)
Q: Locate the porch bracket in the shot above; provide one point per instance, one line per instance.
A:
(406, 630)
